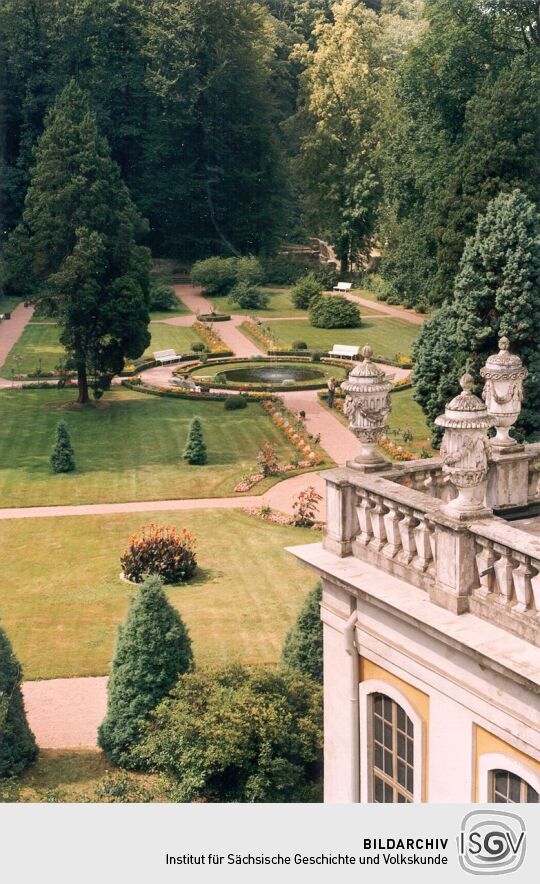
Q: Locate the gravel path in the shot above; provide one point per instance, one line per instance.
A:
(10, 332)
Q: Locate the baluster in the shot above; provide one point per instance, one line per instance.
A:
(535, 586)
(364, 520)
(504, 572)
(393, 537)
(485, 561)
(432, 542)
(377, 524)
(522, 584)
(406, 530)
(423, 545)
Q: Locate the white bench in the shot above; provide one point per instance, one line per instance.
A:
(342, 287)
(186, 384)
(165, 356)
(344, 350)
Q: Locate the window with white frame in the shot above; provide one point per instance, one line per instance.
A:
(506, 779)
(392, 752)
(391, 745)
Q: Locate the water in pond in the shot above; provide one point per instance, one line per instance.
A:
(272, 374)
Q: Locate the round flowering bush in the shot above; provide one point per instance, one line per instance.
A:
(160, 550)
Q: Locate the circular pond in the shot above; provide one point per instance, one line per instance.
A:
(271, 374)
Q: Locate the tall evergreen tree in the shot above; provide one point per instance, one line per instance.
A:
(152, 651)
(303, 646)
(62, 455)
(497, 292)
(195, 450)
(17, 744)
(75, 251)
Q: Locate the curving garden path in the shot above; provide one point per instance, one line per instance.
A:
(65, 713)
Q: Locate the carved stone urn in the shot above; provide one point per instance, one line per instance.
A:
(465, 451)
(367, 405)
(504, 374)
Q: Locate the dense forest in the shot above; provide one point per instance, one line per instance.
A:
(239, 125)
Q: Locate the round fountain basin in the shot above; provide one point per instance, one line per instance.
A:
(272, 374)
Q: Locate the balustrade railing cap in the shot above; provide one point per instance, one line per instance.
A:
(465, 411)
(503, 364)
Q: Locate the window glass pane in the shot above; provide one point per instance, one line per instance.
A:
(393, 752)
(514, 788)
(410, 780)
(532, 795)
(501, 782)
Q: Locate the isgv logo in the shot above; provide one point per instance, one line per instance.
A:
(491, 843)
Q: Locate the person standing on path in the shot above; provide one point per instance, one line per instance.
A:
(331, 391)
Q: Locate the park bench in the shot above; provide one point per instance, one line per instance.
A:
(343, 287)
(187, 384)
(164, 356)
(344, 350)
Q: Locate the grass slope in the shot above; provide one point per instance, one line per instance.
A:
(62, 599)
(129, 447)
(386, 336)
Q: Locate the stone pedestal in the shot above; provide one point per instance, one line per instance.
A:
(341, 517)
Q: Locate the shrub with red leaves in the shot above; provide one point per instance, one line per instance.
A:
(160, 550)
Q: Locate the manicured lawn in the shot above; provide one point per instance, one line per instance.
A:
(280, 304)
(386, 336)
(129, 447)
(37, 347)
(407, 416)
(62, 598)
(170, 337)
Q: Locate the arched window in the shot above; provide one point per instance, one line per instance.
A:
(505, 779)
(508, 788)
(392, 752)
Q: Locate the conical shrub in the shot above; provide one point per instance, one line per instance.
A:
(152, 650)
(303, 646)
(62, 456)
(18, 747)
(195, 450)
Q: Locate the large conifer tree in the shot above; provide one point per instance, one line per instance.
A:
(17, 744)
(75, 251)
(152, 651)
(497, 292)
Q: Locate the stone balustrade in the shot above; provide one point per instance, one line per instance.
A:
(507, 588)
(487, 567)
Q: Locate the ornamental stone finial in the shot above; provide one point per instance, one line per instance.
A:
(367, 405)
(504, 374)
(465, 450)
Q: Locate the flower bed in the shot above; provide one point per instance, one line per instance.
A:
(260, 334)
(295, 431)
(140, 387)
(267, 514)
(210, 337)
